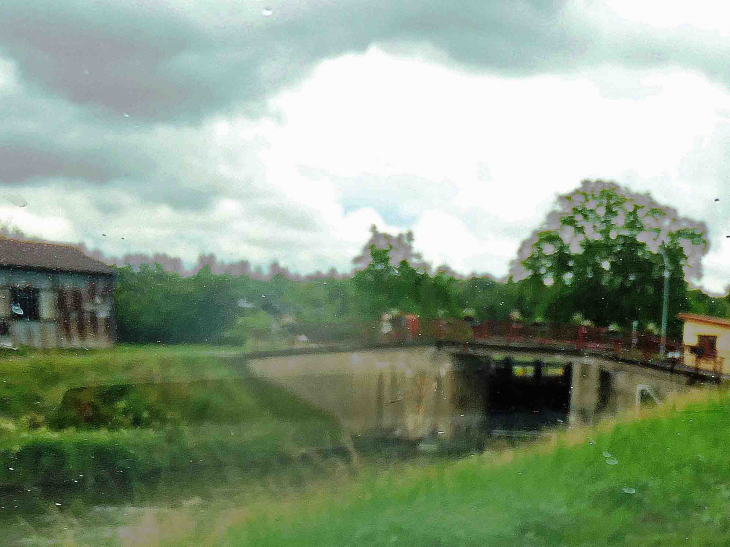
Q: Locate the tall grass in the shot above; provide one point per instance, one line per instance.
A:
(663, 479)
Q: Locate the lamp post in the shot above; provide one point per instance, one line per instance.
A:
(663, 344)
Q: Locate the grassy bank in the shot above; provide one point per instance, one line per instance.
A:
(664, 480)
(33, 381)
(111, 426)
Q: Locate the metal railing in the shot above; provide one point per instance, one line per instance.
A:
(640, 345)
(643, 344)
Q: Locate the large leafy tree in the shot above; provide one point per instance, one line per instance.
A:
(382, 286)
(599, 253)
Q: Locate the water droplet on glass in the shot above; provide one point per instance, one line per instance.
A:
(629, 490)
(606, 454)
(266, 12)
(611, 461)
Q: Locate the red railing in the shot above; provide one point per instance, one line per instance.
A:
(642, 345)
(580, 337)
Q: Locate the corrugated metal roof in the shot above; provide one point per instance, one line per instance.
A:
(33, 255)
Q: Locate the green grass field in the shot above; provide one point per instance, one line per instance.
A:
(663, 480)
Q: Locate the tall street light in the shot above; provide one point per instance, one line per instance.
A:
(663, 345)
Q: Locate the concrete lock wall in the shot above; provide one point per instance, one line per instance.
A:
(402, 391)
(600, 387)
(419, 391)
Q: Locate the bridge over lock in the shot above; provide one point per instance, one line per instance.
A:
(451, 388)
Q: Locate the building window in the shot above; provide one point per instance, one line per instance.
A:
(707, 345)
(24, 303)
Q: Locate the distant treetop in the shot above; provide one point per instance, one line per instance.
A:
(401, 248)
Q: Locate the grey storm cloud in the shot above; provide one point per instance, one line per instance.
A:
(182, 64)
(43, 136)
(159, 61)
(99, 77)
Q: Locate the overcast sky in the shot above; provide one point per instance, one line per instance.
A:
(283, 130)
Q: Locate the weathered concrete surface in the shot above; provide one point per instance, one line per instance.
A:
(623, 387)
(401, 390)
(418, 391)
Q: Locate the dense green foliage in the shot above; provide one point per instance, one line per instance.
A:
(154, 306)
(115, 466)
(597, 256)
(600, 255)
(32, 386)
(660, 481)
(699, 302)
(382, 287)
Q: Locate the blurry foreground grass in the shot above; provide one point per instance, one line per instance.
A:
(662, 480)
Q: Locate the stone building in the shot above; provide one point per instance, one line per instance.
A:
(54, 296)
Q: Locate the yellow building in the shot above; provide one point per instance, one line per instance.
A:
(706, 342)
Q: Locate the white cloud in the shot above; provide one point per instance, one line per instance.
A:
(504, 147)
(712, 15)
(8, 76)
(471, 163)
(37, 225)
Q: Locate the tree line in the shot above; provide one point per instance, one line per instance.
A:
(598, 258)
